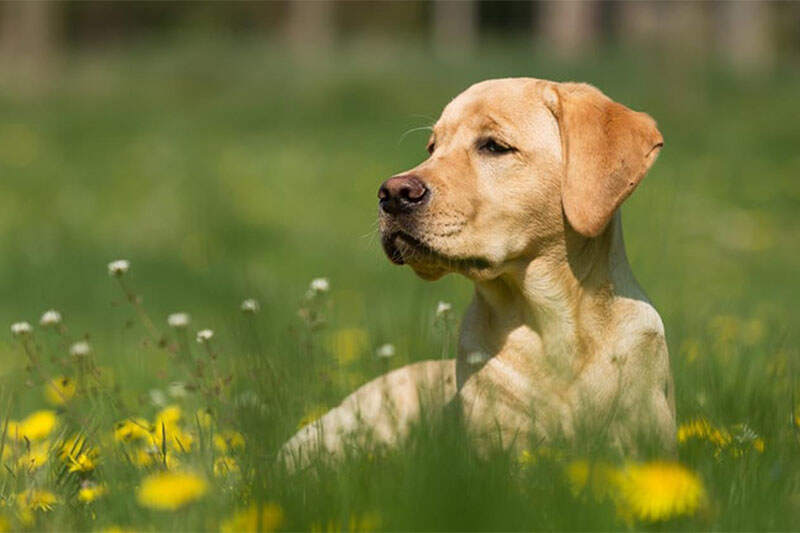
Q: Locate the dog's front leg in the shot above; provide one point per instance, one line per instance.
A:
(380, 412)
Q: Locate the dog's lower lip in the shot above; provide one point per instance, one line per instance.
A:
(392, 252)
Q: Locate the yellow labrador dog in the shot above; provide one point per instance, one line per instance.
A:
(521, 195)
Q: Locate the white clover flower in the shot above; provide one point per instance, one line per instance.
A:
(157, 398)
(204, 335)
(250, 305)
(319, 285)
(178, 320)
(19, 329)
(118, 267)
(176, 389)
(385, 351)
(476, 358)
(442, 309)
(50, 318)
(80, 348)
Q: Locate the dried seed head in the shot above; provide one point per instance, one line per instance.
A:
(204, 335)
(178, 320)
(386, 351)
(319, 285)
(50, 318)
(443, 309)
(250, 306)
(20, 329)
(119, 267)
(80, 348)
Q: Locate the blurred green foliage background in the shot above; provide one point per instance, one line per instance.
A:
(223, 170)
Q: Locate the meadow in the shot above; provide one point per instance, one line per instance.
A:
(224, 172)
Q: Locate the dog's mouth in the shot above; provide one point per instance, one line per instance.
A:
(394, 244)
(390, 248)
(402, 248)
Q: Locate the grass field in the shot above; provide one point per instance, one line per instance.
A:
(225, 172)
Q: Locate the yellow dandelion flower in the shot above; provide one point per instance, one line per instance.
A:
(526, 459)
(176, 438)
(225, 465)
(59, 390)
(658, 491)
(204, 418)
(151, 455)
(166, 426)
(133, 429)
(725, 329)
(181, 441)
(169, 417)
(37, 426)
(312, 415)
(36, 500)
(82, 463)
(691, 348)
(78, 455)
(168, 491)
(92, 491)
(145, 456)
(228, 440)
(719, 437)
(348, 344)
(598, 476)
(758, 444)
(271, 518)
(578, 475)
(72, 445)
(34, 457)
(701, 429)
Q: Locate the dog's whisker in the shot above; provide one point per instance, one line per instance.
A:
(412, 130)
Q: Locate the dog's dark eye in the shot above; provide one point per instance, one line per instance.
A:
(490, 145)
(431, 147)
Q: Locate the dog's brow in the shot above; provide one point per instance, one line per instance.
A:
(491, 122)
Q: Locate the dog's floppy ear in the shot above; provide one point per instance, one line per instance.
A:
(607, 149)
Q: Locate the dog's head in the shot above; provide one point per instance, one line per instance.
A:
(514, 164)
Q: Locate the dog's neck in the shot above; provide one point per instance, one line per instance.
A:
(551, 314)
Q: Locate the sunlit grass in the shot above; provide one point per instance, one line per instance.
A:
(201, 450)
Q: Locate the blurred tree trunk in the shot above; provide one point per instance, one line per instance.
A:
(28, 38)
(744, 33)
(638, 21)
(686, 27)
(570, 27)
(310, 26)
(455, 26)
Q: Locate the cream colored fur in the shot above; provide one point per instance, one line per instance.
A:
(558, 335)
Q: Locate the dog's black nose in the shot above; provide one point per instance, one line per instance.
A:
(402, 194)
